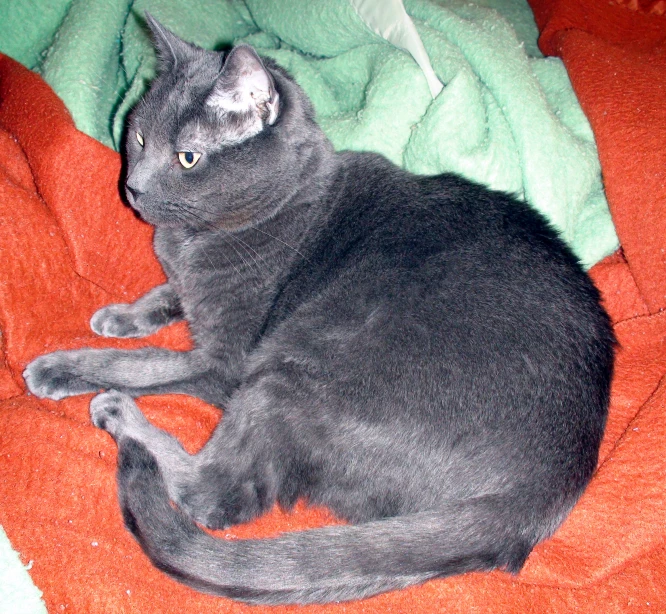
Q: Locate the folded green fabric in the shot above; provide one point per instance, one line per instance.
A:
(506, 117)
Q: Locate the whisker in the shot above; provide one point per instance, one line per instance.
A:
(245, 262)
(249, 250)
(239, 254)
(205, 253)
(229, 236)
(247, 247)
(278, 239)
(228, 260)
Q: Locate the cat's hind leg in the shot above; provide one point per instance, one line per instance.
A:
(225, 484)
(154, 310)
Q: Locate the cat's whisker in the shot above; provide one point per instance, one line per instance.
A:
(278, 239)
(249, 250)
(205, 253)
(225, 237)
(191, 208)
(245, 262)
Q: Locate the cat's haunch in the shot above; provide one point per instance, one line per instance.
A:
(422, 355)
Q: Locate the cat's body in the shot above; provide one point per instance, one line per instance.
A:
(420, 354)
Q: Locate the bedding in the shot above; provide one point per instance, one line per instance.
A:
(68, 245)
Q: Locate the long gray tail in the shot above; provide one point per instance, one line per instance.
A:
(322, 565)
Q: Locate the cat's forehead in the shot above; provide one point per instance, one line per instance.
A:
(205, 101)
(181, 119)
(178, 90)
(173, 102)
(176, 113)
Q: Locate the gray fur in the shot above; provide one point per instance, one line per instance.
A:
(158, 308)
(422, 355)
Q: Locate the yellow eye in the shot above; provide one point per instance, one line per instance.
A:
(188, 158)
(139, 138)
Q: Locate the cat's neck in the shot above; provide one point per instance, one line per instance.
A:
(259, 251)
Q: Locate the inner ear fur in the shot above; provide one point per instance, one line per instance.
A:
(245, 85)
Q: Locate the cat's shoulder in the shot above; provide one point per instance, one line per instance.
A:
(377, 197)
(369, 171)
(368, 181)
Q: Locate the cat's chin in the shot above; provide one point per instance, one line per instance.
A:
(153, 217)
(159, 221)
(149, 219)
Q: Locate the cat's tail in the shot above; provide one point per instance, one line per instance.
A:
(321, 565)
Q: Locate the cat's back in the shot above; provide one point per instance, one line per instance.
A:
(390, 231)
(455, 312)
(446, 272)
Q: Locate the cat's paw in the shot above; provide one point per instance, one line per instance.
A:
(56, 376)
(117, 320)
(117, 414)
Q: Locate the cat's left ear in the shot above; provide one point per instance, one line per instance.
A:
(171, 50)
(246, 85)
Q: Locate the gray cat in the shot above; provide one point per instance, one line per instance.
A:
(422, 355)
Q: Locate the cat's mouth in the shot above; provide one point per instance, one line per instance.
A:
(156, 212)
(165, 212)
(138, 203)
(130, 195)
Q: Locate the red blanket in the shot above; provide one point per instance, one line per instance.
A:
(69, 246)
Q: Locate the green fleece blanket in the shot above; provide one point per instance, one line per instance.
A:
(506, 117)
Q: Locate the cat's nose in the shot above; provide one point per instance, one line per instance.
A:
(132, 194)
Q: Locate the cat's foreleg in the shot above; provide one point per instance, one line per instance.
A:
(154, 310)
(135, 372)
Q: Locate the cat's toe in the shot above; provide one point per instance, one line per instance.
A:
(114, 321)
(53, 376)
(114, 412)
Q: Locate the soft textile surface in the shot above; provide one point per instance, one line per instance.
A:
(616, 56)
(68, 246)
(18, 595)
(507, 116)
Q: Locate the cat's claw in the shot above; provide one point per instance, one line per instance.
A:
(116, 413)
(54, 376)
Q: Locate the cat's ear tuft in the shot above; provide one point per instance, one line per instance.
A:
(171, 50)
(244, 84)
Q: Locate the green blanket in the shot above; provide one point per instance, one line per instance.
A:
(507, 117)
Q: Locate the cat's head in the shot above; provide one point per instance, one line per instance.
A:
(215, 137)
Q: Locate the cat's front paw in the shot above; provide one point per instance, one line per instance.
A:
(116, 320)
(117, 414)
(56, 376)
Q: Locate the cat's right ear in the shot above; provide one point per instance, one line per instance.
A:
(245, 85)
(171, 50)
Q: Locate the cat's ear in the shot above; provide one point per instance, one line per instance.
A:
(171, 50)
(244, 84)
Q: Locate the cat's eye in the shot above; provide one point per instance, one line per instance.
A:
(139, 138)
(188, 158)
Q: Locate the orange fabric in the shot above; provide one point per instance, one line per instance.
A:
(615, 53)
(68, 246)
